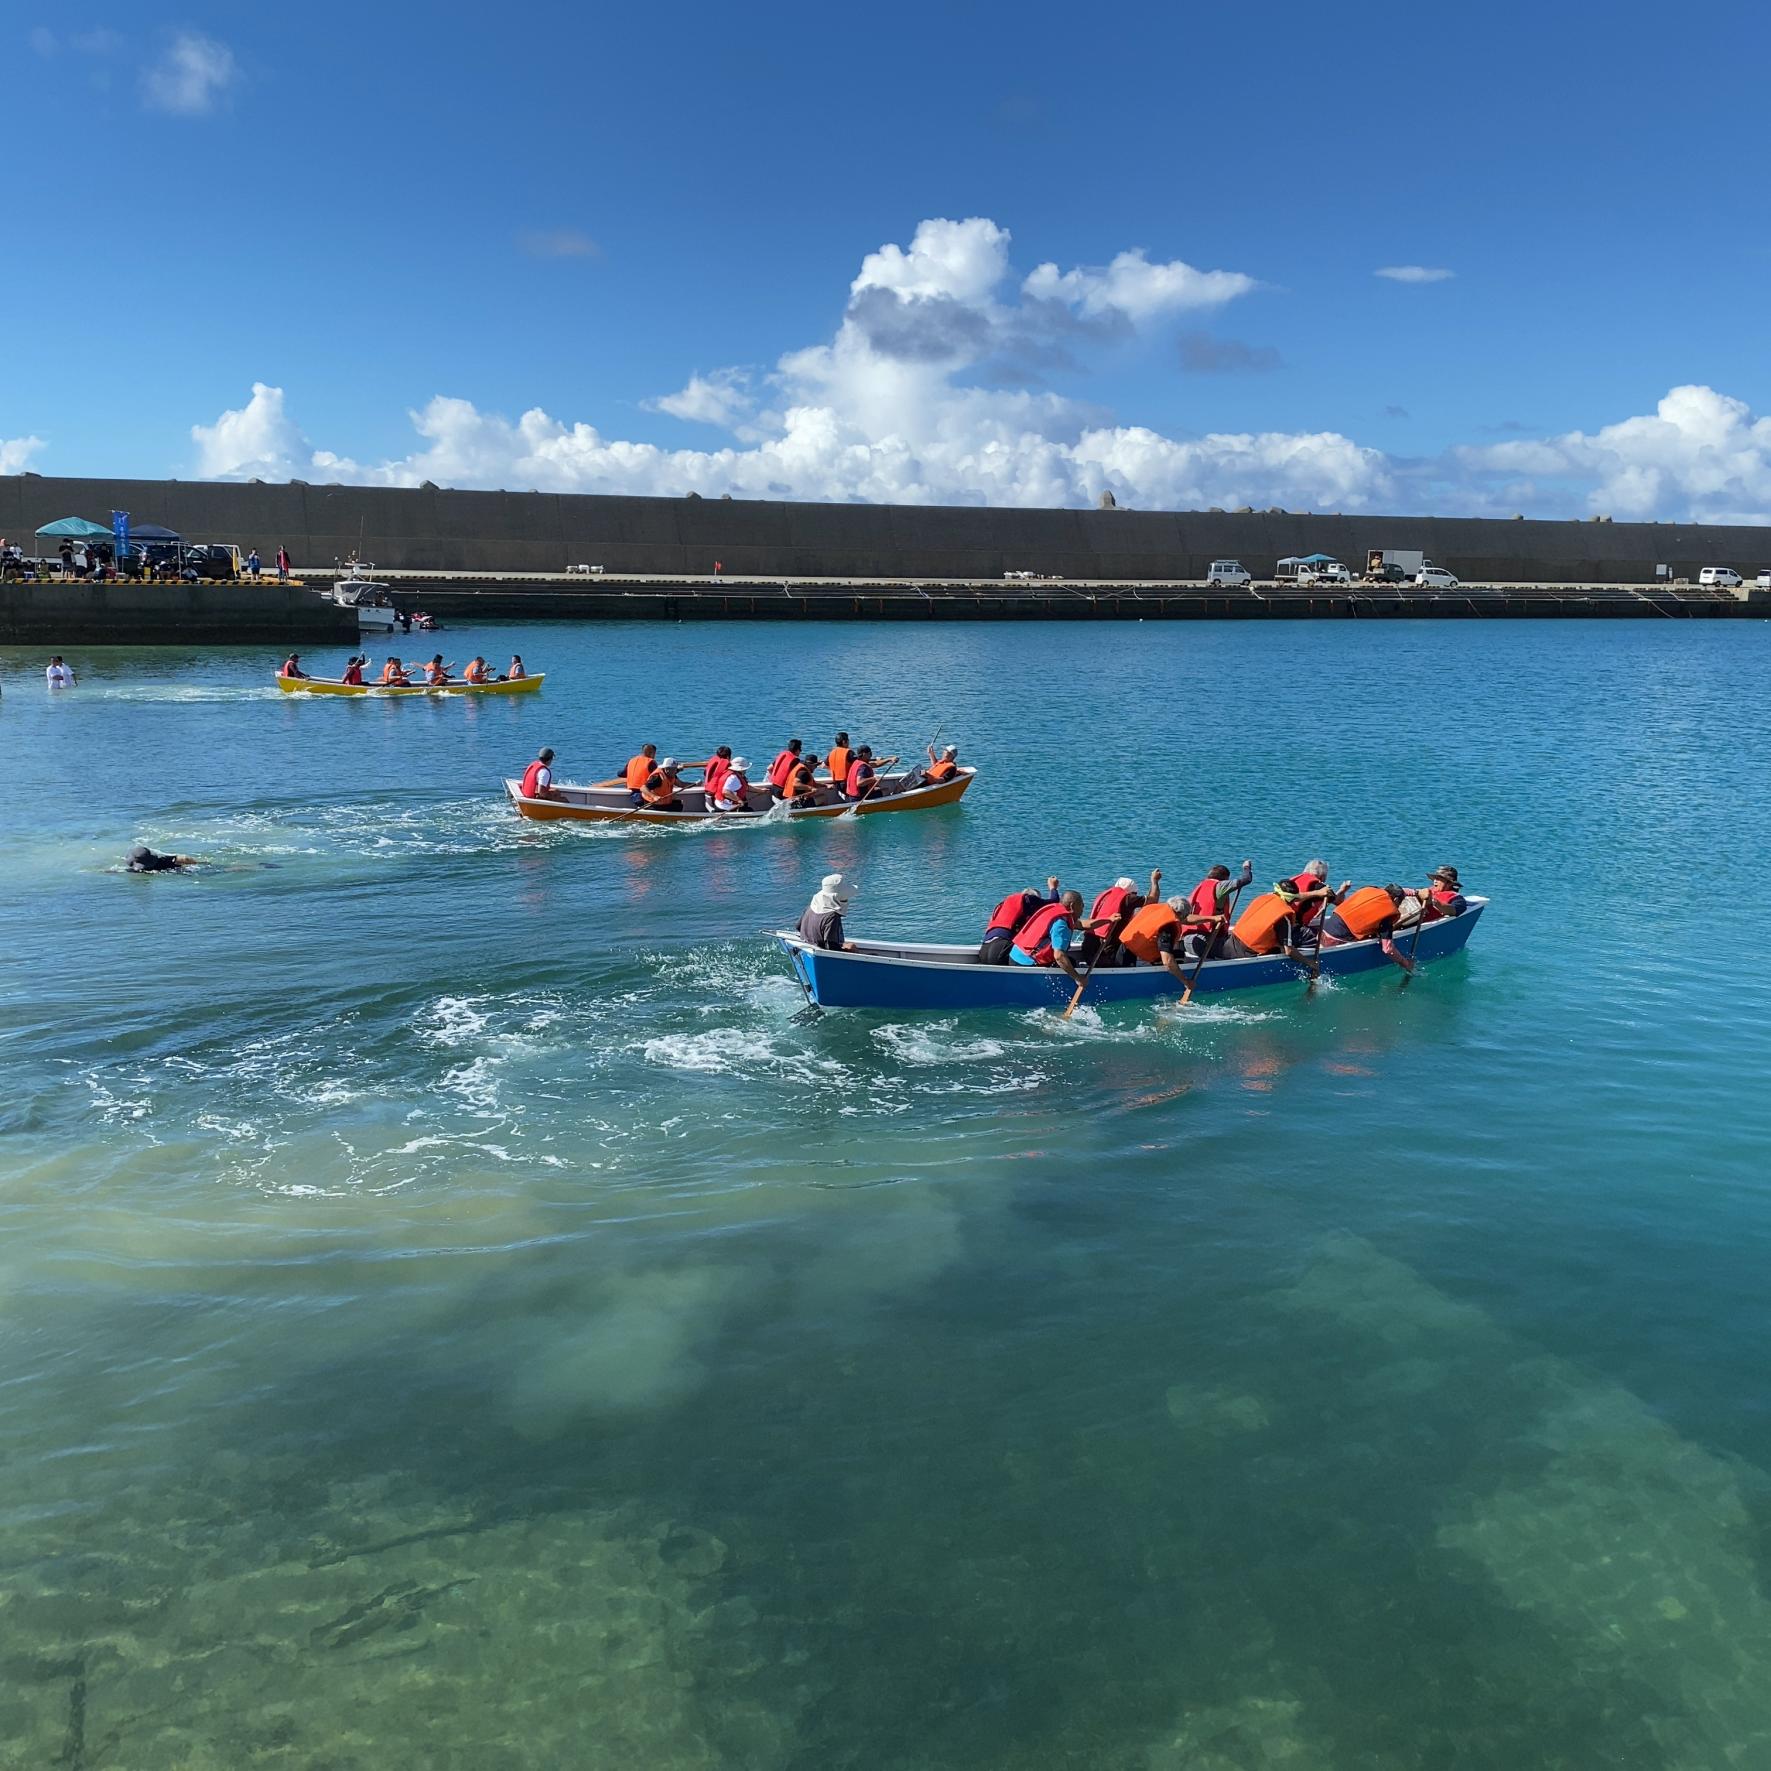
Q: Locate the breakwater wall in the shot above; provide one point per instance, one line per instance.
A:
(78, 614)
(432, 527)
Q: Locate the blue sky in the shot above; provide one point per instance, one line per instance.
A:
(572, 211)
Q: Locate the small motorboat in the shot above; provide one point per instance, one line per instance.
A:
(315, 685)
(609, 801)
(371, 599)
(912, 975)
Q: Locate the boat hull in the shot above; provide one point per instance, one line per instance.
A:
(885, 975)
(607, 804)
(524, 685)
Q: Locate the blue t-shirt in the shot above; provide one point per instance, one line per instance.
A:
(1059, 936)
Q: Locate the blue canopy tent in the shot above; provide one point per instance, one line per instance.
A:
(76, 529)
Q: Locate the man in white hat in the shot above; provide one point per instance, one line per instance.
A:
(1109, 913)
(944, 766)
(733, 792)
(822, 923)
(659, 793)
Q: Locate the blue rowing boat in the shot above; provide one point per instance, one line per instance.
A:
(908, 975)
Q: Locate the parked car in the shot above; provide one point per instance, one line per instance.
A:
(1722, 577)
(1228, 575)
(1763, 581)
(1333, 572)
(1437, 578)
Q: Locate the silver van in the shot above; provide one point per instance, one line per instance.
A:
(1228, 575)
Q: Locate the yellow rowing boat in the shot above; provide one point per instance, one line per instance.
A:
(313, 685)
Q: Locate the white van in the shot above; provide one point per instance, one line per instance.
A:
(1722, 577)
(1431, 577)
(1228, 575)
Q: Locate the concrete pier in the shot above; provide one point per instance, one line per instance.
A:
(80, 614)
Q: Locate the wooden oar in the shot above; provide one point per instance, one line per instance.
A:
(1074, 1000)
(1205, 949)
(1408, 964)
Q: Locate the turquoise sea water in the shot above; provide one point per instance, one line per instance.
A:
(450, 1315)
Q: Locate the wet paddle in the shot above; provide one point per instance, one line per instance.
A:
(1408, 964)
(1074, 1000)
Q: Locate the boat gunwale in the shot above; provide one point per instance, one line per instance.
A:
(924, 794)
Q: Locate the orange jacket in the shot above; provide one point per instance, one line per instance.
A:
(1257, 928)
(1366, 911)
(638, 768)
(1140, 933)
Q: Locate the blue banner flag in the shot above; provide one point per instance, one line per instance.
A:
(120, 528)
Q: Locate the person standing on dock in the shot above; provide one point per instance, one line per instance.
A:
(282, 564)
(254, 565)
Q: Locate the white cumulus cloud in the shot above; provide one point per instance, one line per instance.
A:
(256, 441)
(1135, 287)
(1414, 273)
(192, 77)
(722, 398)
(16, 453)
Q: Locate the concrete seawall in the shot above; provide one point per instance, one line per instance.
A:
(537, 532)
(63, 615)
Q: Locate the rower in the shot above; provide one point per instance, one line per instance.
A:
(142, 859)
(516, 673)
(291, 668)
(393, 675)
(838, 761)
(1367, 914)
(537, 780)
(1445, 897)
(639, 769)
(1047, 936)
(1107, 916)
(1208, 909)
(713, 770)
(733, 793)
(800, 787)
(942, 767)
(436, 671)
(476, 671)
(1153, 932)
(1007, 917)
(1313, 893)
(659, 793)
(353, 671)
(821, 925)
(1269, 925)
(862, 780)
(778, 769)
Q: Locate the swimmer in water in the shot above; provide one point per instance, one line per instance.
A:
(142, 859)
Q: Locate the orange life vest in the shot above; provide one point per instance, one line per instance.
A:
(1139, 935)
(639, 768)
(435, 673)
(1202, 901)
(940, 771)
(839, 763)
(1257, 928)
(529, 781)
(798, 783)
(470, 675)
(1033, 937)
(1366, 911)
(663, 793)
(392, 673)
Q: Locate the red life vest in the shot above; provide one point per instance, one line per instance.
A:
(1440, 900)
(1033, 937)
(1010, 913)
(857, 780)
(779, 767)
(530, 783)
(1308, 882)
(713, 774)
(733, 786)
(1203, 904)
(1108, 908)
(354, 674)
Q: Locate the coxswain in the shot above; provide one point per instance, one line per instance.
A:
(1269, 925)
(393, 675)
(1006, 919)
(838, 761)
(1108, 915)
(800, 787)
(659, 793)
(353, 672)
(778, 769)
(1208, 909)
(476, 671)
(713, 770)
(733, 793)
(639, 769)
(821, 926)
(436, 671)
(291, 668)
(1368, 914)
(537, 780)
(1445, 897)
(516, 673)
(1047, 936)
(142, 859)
(942, 767)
